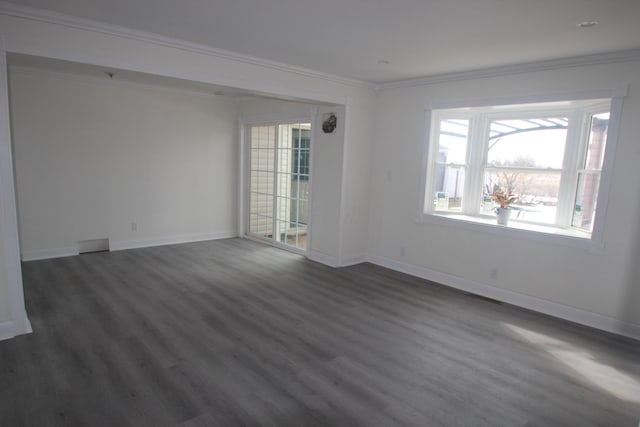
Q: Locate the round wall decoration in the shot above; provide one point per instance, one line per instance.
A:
(329, 123)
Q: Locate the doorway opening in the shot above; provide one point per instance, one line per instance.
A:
(279, 183)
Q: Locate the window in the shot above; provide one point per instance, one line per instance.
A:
(301, 151)
(550, 155)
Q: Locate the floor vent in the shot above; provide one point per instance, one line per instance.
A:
(93, 245)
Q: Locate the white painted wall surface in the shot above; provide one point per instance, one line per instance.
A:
(95, 156)
(13, 316)
(631, 295)
(574, 278)
(5, 313)
(5, 147)
(326, 188)
(263, 109)
(357, 172)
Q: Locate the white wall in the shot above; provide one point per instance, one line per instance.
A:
(94, 156)
(4, 292)
(264, 109)
(5, 313)
(327, 183)
(13, 316)
(357, 171)
(631, 296)
(5, 147)
(593, 288)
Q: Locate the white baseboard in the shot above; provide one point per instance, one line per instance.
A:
(120, 245)
(322, 258)
(49, 253)
(353, 260)
(540, 305)
(10, 329)
(170, 240)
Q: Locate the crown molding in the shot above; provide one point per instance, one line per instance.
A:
(49, 17)
(553, 64)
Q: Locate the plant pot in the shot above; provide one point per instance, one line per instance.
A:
(503, 215)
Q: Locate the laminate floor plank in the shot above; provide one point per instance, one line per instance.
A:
(236, 333)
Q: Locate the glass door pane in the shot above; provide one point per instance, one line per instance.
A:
(293, 183)
(261, 179)
(279, 182)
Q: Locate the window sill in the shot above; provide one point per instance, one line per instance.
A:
(516, 229)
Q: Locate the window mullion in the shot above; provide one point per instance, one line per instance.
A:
(276, 184)
(576, 134)
(432, 155)
(475, 164)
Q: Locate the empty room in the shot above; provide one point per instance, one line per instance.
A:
(331, 213)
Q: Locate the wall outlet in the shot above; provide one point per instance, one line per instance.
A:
(494, 272)
(134, 226)
(401, 250)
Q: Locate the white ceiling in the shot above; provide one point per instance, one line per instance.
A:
(350, 38)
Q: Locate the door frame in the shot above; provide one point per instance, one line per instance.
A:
(244, 123)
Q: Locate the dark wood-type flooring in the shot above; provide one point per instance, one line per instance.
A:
(233, 333)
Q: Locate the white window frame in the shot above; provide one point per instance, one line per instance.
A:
(471, 218)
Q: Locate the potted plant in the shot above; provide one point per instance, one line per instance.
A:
(504, 199)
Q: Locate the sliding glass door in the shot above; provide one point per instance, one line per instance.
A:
(278, 198)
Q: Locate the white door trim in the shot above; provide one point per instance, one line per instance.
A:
(18, 323)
